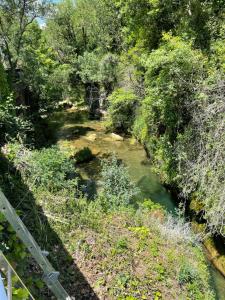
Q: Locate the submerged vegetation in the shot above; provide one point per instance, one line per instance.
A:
(154, 70)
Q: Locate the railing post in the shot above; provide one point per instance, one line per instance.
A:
(9, 283)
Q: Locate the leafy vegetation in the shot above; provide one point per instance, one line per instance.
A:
(122, 242)
(156, 70)
(122, 106)
(47, 168)
(84, 155)
(117, 189)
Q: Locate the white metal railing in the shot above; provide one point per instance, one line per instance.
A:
(9, 279)
(50, 276)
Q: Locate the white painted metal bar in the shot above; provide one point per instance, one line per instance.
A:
(9, 283)
(50, 275)
(4, 267)
(2, 290)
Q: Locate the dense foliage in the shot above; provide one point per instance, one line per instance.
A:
(47, 168)
(117, 188)
(109, 233)
(122, 107)
(156, 66)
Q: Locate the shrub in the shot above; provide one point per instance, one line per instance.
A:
(14, 250)
(12, 125)
(187, 274)
(201, 152)
(150, 205)
(177, 230)
(122, 108)
(117, 188)
(84, 155)
(47, 168)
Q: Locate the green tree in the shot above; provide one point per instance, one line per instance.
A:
(15, 19)
(122, 109)
(200, 152)
(172, 73)
(4, 88)
(145, 21)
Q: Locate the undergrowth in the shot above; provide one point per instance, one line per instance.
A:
(110, 246)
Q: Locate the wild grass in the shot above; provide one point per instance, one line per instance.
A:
(124, 251)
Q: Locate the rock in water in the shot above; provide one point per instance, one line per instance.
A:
(92, 137)
(116, 137)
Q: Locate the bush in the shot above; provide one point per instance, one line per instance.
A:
(122, 108)
(12, 125)
(47, 168)
(84, 155)
(178, 230)
(200, 153)
(14, 250)
(187, 274)
(181, 123)
(117, 188)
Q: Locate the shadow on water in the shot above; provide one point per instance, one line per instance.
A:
(219, 242)
(33, 217)
(151, 188)
(47, 131)
(217, 279)
(75, 132)
(71, 116)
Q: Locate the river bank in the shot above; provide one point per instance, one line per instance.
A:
(77, 132)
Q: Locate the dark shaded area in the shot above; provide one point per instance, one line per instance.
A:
(44, 135)
(92, 168)
(219, 242)
(33, 217)
(75, 132)
(79, 116)
(89, 188)
(83, 156)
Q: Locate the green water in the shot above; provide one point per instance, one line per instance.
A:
(78, 132)
(218, 281)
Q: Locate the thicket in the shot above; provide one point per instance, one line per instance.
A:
(47, 168)
(178, 64)
(181, 125)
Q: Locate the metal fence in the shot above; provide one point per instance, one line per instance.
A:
(50, 276)
(10, 282)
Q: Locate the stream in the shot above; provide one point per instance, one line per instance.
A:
(77, 132)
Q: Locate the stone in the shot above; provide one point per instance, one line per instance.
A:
(92, 137)
(116, 137)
